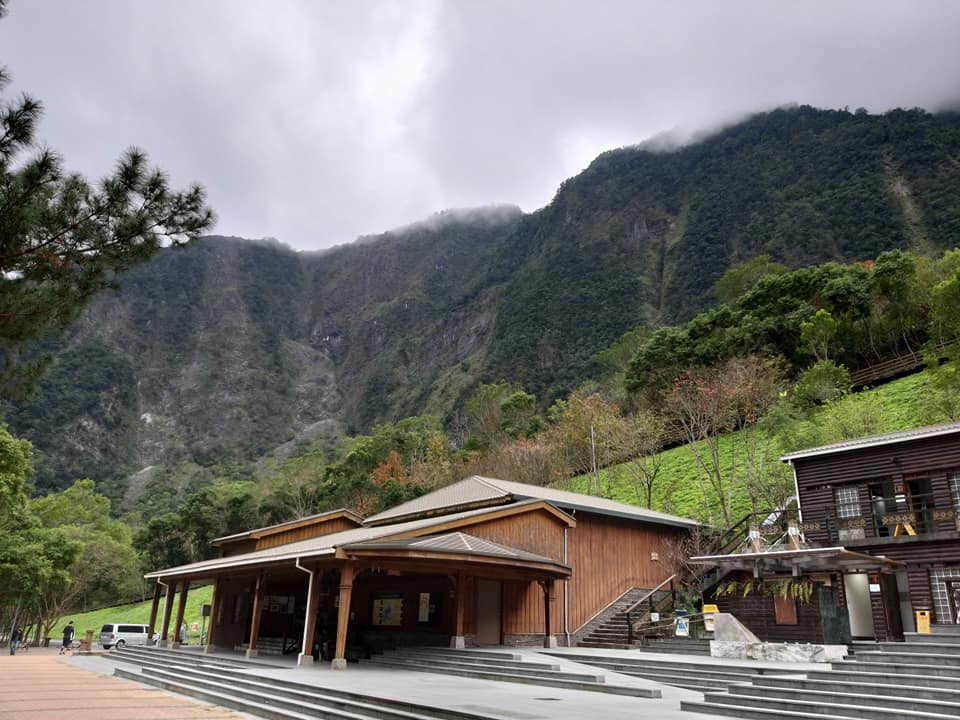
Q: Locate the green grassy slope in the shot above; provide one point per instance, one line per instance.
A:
(137, 613)
(679, 491)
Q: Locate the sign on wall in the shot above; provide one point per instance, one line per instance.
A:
(388, 611)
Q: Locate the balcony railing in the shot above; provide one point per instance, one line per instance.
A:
(901, 516)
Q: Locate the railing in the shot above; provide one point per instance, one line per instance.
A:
(649, 595)
(900, 516)
(648, 598)
(662, 628)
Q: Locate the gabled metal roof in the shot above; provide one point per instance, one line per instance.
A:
(456, 542)
(804, 559)
(326, 545)
(876, 441)
(289, 524)
(478, 490)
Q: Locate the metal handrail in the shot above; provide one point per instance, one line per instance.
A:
(649, 595)
(667, 624)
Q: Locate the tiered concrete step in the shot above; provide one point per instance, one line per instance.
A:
(162, 657)
(918, 679)
(280, 699)
(750, 702)
(680, 646)
(504, 666)
(701, 677)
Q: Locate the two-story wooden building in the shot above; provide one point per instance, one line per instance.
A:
(480, 562)
(876, 536)
(895, 496)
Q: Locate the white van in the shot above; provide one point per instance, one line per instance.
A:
(120, 634)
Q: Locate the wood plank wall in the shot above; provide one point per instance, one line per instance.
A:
(328, 527)
(609, 556)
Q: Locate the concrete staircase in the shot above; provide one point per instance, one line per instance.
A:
(222, 682)
(702, 677)
(612, 629)
(503, 666)
(917, 680)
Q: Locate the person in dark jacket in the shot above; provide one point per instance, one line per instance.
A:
(68, 633)
(15, 638)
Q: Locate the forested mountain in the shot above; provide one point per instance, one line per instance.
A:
(229, 348)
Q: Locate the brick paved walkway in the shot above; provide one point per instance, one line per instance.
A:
(39, 685)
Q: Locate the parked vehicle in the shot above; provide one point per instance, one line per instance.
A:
(120, 634)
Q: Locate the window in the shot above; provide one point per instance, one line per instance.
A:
(848, 502)
(955, 490)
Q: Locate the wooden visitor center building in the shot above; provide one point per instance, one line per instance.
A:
(479, 562)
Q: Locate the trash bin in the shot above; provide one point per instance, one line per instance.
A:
(709, 616)
(923, 621)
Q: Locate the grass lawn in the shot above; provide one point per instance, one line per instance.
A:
(680, 487)
(138, 613)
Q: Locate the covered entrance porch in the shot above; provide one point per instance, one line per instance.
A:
(340, 603)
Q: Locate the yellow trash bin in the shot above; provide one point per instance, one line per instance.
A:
(709, 617)
(923, 621)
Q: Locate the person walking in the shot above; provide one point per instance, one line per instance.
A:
(68, 633)
(15, 637)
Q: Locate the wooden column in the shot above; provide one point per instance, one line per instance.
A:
(151, 626)
(549, 612)
(347, 573)
(255, 616)
(214, 613)
(458, 640)
(310, 622)
(181, 609)
(167, 610)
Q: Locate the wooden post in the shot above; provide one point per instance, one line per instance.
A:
(347, 573)
(255, 616)
(167, 610)
(214, 612)
(181, 609)
(458, 640)
(152, 625)
(310, 622)
(549, 612)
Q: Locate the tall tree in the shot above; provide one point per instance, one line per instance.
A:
(63, 239)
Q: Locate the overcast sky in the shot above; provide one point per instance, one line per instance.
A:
(314, 121)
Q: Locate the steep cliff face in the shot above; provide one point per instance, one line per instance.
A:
(229, 348)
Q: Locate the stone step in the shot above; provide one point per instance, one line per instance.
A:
(828, 698)
(710, 708)
(469, 659)
(187, 656)
(840, 707)
(464, 652)
(926, 658)
(516, 668)
(544, 680)
(924, 647)
(884, 674)
(856, 685)
(647, 663)
(279, 699)
(603, 645)
(908, 667)
(932, 637)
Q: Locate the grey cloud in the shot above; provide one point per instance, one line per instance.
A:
(316, 122)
